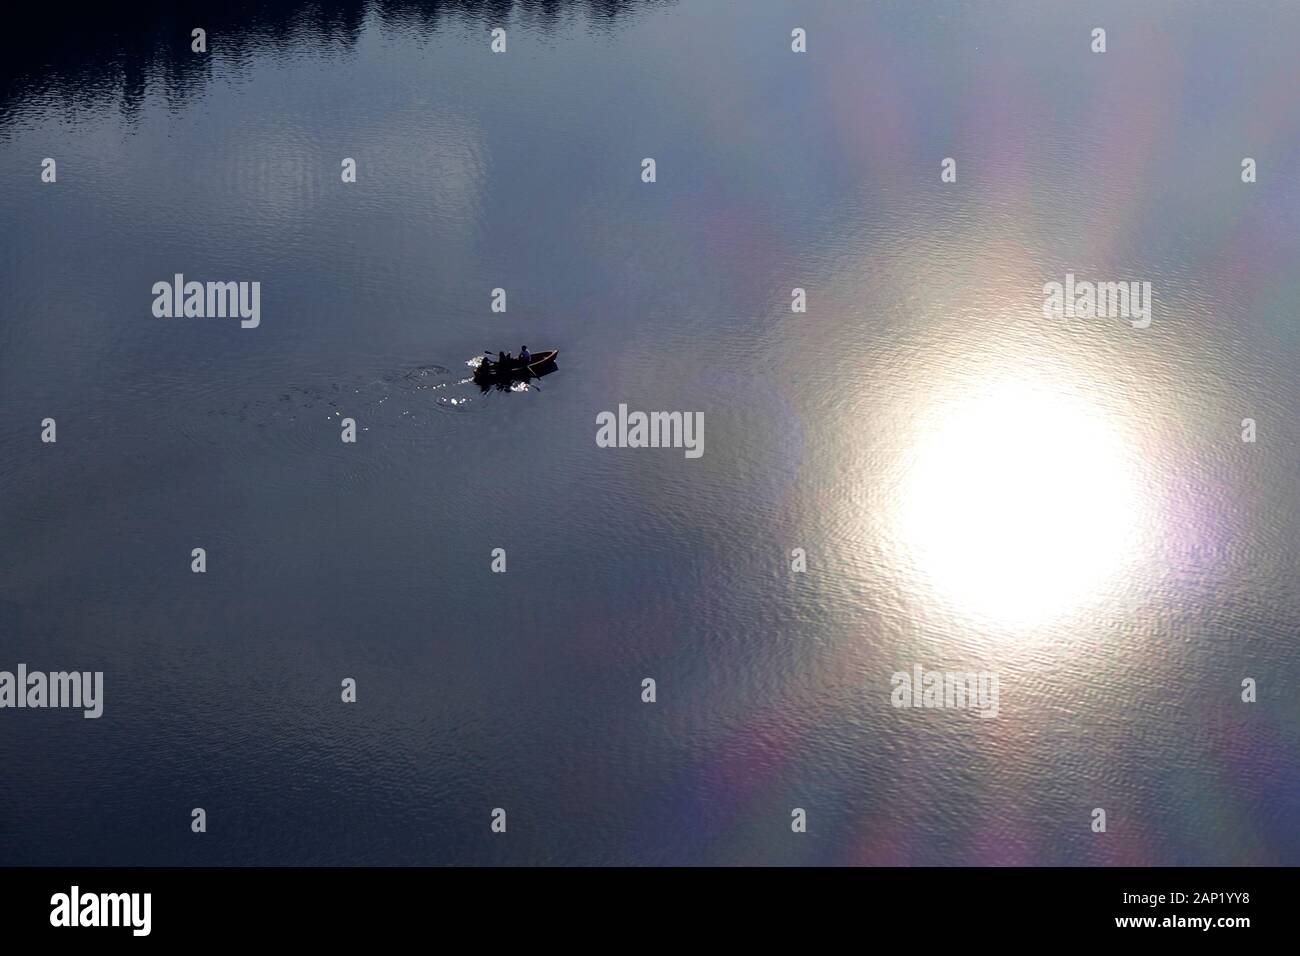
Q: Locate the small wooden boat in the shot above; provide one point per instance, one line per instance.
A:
(538, 365)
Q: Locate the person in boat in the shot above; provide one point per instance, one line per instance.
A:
(503, 362)
(524, 356)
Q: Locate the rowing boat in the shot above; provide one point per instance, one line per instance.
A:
(538, 365)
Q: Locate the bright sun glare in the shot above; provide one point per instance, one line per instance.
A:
(1020, 504)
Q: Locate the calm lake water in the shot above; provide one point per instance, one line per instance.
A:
(1065, 503)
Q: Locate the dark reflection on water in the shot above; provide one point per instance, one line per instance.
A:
(1068, 505)
(102, 52)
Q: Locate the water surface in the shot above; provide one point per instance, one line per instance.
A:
(1067, 504)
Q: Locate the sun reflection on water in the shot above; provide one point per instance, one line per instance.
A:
(1020, 503)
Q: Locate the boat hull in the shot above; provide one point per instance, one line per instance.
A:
(541, 364)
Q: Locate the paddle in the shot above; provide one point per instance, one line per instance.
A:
(528, 370)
